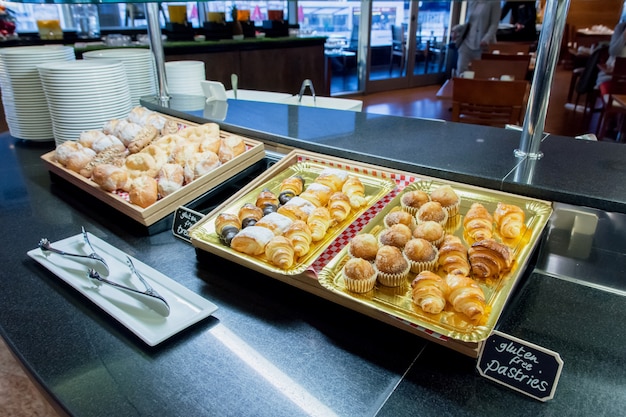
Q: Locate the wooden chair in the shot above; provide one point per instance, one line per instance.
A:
(488, 102)
(510, 48)
(398, 47)
(495, 68)
(610, 108)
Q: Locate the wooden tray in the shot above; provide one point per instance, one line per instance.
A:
(255, 151)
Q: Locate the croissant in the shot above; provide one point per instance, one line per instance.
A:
(339, 206)
(453, 256)
(276, 222)
(478, 223)
(509, 220)
(465, 296)
(267, 201)
(318, 194)
(299, 234)
(319, 221)
(332, 178)
(289, 188)
(489, 259)
(227, 225)
(354, 189)
(251, 240)
(249, 214)
(293, 212)
(428, 291)
(280, 252)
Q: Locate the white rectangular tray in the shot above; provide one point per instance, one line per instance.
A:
(186, 307)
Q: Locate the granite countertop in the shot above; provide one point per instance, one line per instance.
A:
(571, 171)
(274, 350)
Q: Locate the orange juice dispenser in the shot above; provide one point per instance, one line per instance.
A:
(215, 26)
(178, 26)
(276, 25)
(48, 22)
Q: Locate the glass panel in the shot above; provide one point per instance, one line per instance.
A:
(339, 21)
(433, 20)
(388, 34)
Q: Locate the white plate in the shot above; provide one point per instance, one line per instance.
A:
(186, 307)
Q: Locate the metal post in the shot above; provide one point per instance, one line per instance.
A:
(156, 46)
(547, 57)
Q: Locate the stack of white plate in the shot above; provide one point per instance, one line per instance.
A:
(84, 95)
(140, 69)
(23, 98)
(185, 77)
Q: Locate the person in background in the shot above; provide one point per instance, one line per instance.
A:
(479, 30)
(617, 48)
(523, 18)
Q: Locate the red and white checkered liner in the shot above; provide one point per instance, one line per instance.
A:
(343, 239)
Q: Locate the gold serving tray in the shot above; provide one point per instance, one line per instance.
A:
(255, 151)
(203, 234)
(397, 303)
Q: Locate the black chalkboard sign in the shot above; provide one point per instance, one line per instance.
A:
(184, 218)
(520, 365)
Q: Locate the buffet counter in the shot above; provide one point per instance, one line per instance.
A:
(291, 60)
(274, 350)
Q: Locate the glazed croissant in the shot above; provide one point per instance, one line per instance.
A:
(299, 234)
(319, 221)
(509, 220)
(339, 206)
(227, 225)
(276, 222)
(280, 252)
(317, 193)
(478, 223)
(252, 240)
(267, 201)
(354, 189)
(465, 296)
(453, 256)
(249, 214)
(489, 259)
(293, 212)
(428, 291)
(332, 178)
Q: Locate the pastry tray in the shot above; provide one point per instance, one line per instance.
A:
(203, 234)
(396, 302)
(147, 216)
(186, 307)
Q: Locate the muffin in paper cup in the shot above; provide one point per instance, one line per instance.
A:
(393, 267)
(448, 198)
(431, 231)
(421, 254)
(419, 266)
(432, 211)
(400, 216)
(359, 275)
(411, 201)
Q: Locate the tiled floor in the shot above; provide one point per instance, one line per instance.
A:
(18, 395)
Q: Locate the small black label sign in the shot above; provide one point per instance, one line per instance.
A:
(520, 365)
(184, 218)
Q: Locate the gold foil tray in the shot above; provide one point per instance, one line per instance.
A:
(204, 236)
(397, 301)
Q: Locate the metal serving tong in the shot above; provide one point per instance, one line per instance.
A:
(150, 297)
(93, 260)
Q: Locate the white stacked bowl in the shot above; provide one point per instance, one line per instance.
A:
(84, 95)
(185, 77)
(139, 66)
(26, 109)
